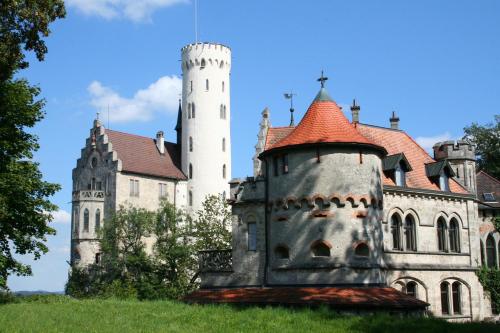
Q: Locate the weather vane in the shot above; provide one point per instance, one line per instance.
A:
(290, 97)
(322, 79)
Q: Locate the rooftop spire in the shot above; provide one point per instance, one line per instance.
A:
(322, 79)
(290, 97)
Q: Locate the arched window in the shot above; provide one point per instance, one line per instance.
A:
(190, 143)
(224, 171)
(410, 237)
(206, 85)
(203, 64)
(86, 220)
(223, 144)
(221, 112)
(320, 249)
(222, 86)
(281, 252)
(454, 233)
(192, 110)
(97, 219)
(190, 171)
(190, 198)
(445, 304)
(491, 259)
(411, 289)
(362, 250)
(441, 234)
(457, 301)
(396, 232)
(76, 220)
(189, 110)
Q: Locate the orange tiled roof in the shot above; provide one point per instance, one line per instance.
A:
(323, 122)
(341, 297)
(275, 134)
(140, 155)
(396, 141)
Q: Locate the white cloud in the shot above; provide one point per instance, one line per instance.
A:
(61, 216)
(135, 10)
(161, 95)
(427, 142)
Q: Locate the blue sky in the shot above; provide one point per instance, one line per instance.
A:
(436, 63)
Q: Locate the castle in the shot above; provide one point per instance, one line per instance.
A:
(332, 202)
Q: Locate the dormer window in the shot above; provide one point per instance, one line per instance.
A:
(396, 166)
(444, 181)
(439, 173)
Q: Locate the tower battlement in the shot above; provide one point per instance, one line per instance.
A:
(206, 55)
(454, 150)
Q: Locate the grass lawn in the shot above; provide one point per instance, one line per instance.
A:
(62, 314)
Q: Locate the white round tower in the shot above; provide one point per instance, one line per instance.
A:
(206, 114)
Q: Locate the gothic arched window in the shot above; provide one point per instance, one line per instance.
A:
(454, 233)
(97, 219)
(456, 297)
(441, 234)
(86, 220)
(410, 237)
(491, 260)
(445, 294)
(396, 232)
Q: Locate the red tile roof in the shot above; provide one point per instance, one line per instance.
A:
(140, 155)
(396, 141)
(488, 184)
(275, 134)
(323, 122)
(341, 297)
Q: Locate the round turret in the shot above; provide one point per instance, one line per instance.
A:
(206, 114)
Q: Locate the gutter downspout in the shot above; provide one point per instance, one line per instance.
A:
(266, 259)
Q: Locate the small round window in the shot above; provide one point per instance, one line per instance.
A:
(93, 162)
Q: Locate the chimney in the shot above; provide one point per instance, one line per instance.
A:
(160, 142)
(355, 112)
(394, 121)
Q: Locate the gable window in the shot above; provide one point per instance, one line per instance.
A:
(445, 304)
(396, 232)
(281, 252)
(454, 233)
(162, 190)
(362, 250)
(396, 166)
(252, 236)
(455, 293)
(491, 260)
(134, 187)
(285, 163)
(97, 219)
(86, 220)
(320, 249)
(410, 237)
(441, 234)
(190, 143)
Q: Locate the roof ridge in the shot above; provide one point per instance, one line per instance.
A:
(136, 135)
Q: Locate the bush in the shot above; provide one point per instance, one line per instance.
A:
(7, 297)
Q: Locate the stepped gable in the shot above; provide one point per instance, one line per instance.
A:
(140, 155)
(323, 122)
(397, 141)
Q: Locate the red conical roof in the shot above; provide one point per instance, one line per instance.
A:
(324, 122)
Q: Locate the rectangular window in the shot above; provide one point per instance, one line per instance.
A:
(162, 190)
(98, 186)
(134, 188)
(285, 163)
(252, 236)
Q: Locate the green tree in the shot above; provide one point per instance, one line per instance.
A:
(487, 141)
(213, 224)
(24, 207)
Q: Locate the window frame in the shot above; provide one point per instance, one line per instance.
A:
(251, 235)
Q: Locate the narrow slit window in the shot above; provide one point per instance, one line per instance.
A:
(252, 236)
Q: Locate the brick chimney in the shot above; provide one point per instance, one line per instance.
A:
(394, 121)
(160, 142)
(355, 112)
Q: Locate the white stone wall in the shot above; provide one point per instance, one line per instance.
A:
(206, 128)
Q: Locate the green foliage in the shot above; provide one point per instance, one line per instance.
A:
(213, 225)
(487, 141)
(63, 314)
(23, 24)
(490, 279)
(6, 297)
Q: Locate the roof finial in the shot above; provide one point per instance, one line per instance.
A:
(290, 97)
(97, 116)
(322, 79)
